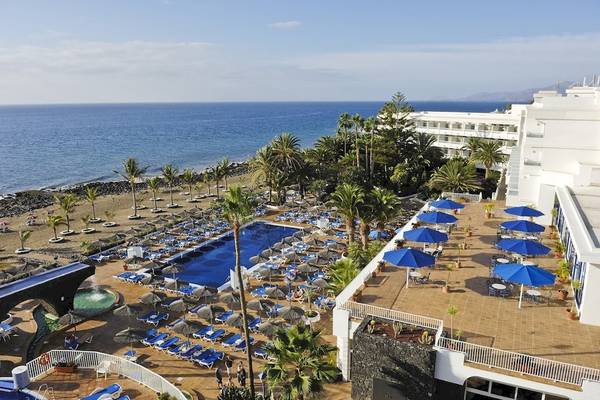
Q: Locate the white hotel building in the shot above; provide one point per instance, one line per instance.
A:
(554, 163)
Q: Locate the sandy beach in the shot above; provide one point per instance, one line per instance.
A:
(119, 204)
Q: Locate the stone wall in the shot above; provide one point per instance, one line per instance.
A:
(385, 368)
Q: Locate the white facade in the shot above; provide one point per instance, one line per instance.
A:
(453, 130)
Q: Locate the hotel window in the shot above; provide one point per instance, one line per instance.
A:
(481, 389)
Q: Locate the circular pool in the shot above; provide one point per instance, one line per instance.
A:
(93, 301)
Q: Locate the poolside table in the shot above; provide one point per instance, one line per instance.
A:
(533, 294)
(499, 286)
(502, 261)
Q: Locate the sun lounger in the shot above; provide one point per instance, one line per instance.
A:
(171, 325)
(202, 332)
(232, 340)
(260, 353)
(179, 348)
(242, 345)
(189, 353)
(275, 310)
(215, 335)
(254, 324)
(150, 333)
(114, 391)
(195, 309)
(221, 318)
(145, 317)
(130, 355)
(172, 341)
(155, 320)
(156, 339)
(208, 357)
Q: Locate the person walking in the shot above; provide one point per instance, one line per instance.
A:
(228, 366)
(242, 377)
(219, 377)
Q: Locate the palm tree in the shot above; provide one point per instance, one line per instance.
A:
(131, 173)
(455, 176)
(189, 178)
(370, 128)
(298, 363)
(67, 203)
(54, 221)
(207, 179)
(23, 238)
(344, 125)
(366, 215)
(489, 153)
(169, 173)
(357, 123)
(237, 209)
(225, 165)
(385, 205)
(154, 186)
(286, 152)
(347, 198)
(91, 195)
(263, 165)
(472, 145)
(342, 272)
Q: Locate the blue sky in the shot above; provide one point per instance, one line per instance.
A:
(194, 50)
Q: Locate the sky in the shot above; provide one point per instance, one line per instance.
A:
(60, 51)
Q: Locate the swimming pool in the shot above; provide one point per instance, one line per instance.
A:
(209, 264)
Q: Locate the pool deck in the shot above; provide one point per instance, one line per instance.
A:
(537, 329)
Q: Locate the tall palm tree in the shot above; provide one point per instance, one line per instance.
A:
(131, 173)
(169, 173)
(344, 125)
(298, 363)
(472, 146)
(67, 204)
(207, 179)
(226, 170)
(370, 128)
(54, 221)
(286, 152)
(217, 175)
(455, 176)
(341, 273)
(154, 186)
(189, 178)
(489, 154)
(263, 166)
(91, 195)
(366, 215)
(347, 198)
(23, 238)
(385, 205)
(237, 209)
(357, 123)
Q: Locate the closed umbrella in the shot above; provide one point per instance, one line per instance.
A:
(409, 258)
(126, 310)
(209, 312)
(293, 257)
(529, 275)
(260, 305)
(523, 247)
(437, 217)
(268, 328)
(170, 285)
(70, 318)
(320, 283)
(231, 299)
(178, 306)
(266, 253)
(305, 269)
(291, 313)
(299, 234)
(150, 298)
(255, 259)
(279, 246)
(185, 328)
(447, 204)
(129, 336)
(235, 320)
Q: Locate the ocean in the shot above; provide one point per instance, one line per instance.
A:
(55, 145)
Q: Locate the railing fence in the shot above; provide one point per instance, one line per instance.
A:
(116, 365)
(464, 196)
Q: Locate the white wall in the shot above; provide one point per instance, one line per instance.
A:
(591, 296)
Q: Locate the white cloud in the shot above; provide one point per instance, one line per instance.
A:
(286, 25)
(87, 71)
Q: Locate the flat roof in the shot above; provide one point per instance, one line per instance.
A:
(587, 200)
(539, 329)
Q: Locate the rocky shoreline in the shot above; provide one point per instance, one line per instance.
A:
(30, 200)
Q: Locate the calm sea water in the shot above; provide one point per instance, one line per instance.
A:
(53, 145)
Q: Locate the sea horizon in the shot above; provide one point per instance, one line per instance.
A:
(55, 145)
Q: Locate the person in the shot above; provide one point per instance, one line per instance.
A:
(262, 377)
(219, 377)
(228, 366)
(242, 377)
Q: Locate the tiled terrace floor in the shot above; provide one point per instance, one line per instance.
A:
(537, 329)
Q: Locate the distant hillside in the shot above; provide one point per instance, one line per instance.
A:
(518, 96)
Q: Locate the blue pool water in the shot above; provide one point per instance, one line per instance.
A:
(210, 263)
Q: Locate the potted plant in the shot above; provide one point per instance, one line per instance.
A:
(86, 219)
(109, 222)
(563, 272)
(23, 238)
(426, 338)
(65, 367)
(446, 287)
(372, 326)
(489, 210)
(397, 328)
(559, 249)
(452, 310)
(572, 312)
(400, 243)
(381, 266)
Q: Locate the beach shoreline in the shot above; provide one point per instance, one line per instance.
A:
(27, 201)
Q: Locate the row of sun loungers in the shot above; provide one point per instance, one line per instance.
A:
(113, 391)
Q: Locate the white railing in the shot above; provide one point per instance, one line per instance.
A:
(465, 196)
(116, 365)
(524, 364)
(360, 310)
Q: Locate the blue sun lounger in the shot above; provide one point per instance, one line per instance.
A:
(113, 391)
(189, 353)
(211, 359)
(172, 324)
(179, 348)
(145, 317)
(260, 353)
(157, 319)
(156, 339)
(232, 340)
(254, 324)
(172, 341)
(202, 332)
(221, 318)
(242, 345)
(215, 335)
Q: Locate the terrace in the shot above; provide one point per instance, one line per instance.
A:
(539, 329)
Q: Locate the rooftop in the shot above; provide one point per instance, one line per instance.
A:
(538, 329)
